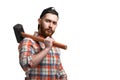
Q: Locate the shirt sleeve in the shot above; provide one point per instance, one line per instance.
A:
(25, 52)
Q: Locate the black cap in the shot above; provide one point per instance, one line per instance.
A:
(49, 10)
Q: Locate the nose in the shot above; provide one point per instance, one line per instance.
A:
(51, 24)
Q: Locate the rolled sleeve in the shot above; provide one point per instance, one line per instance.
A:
(25, 60)
(25, 54)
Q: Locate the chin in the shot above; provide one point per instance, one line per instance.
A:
(49, 35)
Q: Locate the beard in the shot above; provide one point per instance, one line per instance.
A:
(46, 32)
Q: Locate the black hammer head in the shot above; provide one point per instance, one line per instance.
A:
(18, 28)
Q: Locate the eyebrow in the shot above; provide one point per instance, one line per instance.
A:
(51, 20)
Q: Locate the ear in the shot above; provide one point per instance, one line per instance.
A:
(39, 20)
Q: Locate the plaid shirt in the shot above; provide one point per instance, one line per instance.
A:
(50, 68)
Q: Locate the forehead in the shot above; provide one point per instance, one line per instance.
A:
(51, 17)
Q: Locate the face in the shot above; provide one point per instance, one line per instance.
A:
(48, 24)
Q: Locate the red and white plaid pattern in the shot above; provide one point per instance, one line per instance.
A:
(50, 68)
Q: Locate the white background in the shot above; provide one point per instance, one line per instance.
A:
(90, 29)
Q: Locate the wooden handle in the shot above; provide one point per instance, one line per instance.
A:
(42, 40)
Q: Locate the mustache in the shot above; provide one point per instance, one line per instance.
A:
(49, 29)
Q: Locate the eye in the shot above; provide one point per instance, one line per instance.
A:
(55, 23)
(47, 20)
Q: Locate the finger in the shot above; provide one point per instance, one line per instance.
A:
(46, 39)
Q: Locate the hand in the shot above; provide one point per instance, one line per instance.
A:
(64, 77)
(48, 42)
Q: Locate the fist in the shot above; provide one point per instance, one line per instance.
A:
(48, 42)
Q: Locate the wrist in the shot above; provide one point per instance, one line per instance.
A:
(47, 49)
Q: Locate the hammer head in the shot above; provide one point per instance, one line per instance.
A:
(18, 28)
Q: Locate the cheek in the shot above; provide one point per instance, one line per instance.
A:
(45, 25)
(55, 27)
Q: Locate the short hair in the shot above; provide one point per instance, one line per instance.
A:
(48, 10)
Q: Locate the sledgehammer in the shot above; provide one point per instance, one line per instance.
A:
(19, 33)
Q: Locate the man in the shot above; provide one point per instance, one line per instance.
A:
(41, 60)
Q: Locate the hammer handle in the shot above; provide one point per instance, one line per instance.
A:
(42, 40)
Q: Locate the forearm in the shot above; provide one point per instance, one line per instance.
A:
(36, 59)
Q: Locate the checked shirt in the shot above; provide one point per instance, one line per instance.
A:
(50, 68)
